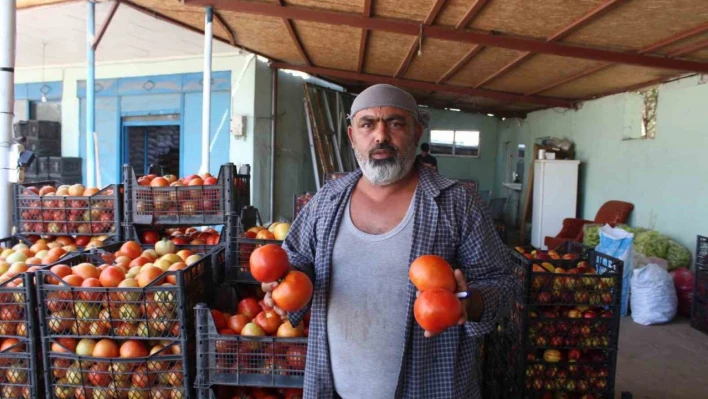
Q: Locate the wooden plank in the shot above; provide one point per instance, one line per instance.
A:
(471, 13)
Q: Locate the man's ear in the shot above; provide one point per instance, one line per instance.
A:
(349, 133)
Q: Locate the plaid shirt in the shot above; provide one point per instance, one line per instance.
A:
(449, 221)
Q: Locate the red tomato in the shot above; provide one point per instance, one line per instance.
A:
(180, 240)
(219, 319)
(213, 239)
(269, 263)
(431, 271)
(249, 307)
(236, 323)
(294, 292)
(436, 310)
(269, 321)
(150, 237)
(292, 393)
(296, 357)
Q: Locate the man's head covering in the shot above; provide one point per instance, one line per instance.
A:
(384, 95)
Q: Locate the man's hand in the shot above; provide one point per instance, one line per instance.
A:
(472, 303)
(268, 288)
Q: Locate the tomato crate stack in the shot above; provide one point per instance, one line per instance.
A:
(230, 359)
(74, 210)
(199, 201)
(560, 336)
(121, 335)
(699, 310)
(20, 357)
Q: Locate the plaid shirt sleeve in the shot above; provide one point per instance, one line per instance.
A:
(300, 245)
(483, 258)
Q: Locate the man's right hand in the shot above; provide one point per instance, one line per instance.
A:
(268, 288)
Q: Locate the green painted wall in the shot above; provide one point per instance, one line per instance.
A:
(665, 178)
(482, 169)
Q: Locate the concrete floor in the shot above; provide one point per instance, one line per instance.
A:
(662, 362)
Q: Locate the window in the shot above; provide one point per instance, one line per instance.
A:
(460, 143)
(45, 111)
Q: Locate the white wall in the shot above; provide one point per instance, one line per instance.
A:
(665, 178)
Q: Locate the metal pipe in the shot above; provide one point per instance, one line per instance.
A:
(206, 86)
(273, 123)
(7, 105)
(90, 94)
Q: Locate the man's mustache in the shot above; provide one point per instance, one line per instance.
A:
(384, 146)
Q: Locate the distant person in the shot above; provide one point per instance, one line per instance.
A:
(425, 158)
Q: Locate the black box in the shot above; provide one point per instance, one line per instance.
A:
(63, 166)
(38, 130)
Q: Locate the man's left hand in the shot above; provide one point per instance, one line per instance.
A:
(466, 303)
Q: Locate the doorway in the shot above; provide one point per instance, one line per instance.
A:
(155, 145)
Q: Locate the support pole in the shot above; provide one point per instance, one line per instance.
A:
(273, 124)
(7, 105)
(206, 85)
(90, 94)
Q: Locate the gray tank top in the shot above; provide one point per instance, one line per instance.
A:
(366, 317)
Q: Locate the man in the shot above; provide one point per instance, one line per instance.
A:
(356, 239)
(425, 158)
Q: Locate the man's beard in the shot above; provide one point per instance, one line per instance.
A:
(384, 172)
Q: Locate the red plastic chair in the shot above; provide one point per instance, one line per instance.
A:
(612, 213)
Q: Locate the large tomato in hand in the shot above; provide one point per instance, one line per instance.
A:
(431, 271)
(436, 310)
(294, 292)
(269, 263)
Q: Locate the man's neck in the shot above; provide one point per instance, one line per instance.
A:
(379, 193)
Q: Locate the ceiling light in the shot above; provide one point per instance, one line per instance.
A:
(454, 109)
(492, 115)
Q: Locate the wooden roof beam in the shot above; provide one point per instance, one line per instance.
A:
(471, 13)
(697, 30)
(453, 70)
(364, 37)
(429, 19)
(104, 27)
(426, 86)
(688, 49)
(466, 19)
(221, 21)
(561, 34)
(293, 35)
(443, 33)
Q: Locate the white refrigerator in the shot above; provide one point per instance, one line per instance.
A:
(555, 197)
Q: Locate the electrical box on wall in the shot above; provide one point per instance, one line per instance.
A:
(238, 125)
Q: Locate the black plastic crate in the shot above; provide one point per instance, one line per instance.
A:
(187, 205)
(68, 179)
(153, 312)
(99, 214)
(238, 252)
(167, 373)
(134, 233)
(19, 363)
(43, 147)
(35, 129)
(702, 252)
(536, 286)
(699, 315)
(38, 168)
(246, 361)
(19, 370)
(300, 201)
(229, 392)
(63, 166)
